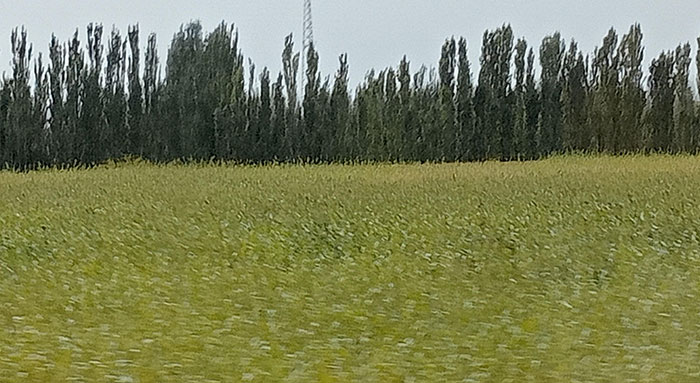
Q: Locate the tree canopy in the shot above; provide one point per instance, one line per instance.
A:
(108, 97)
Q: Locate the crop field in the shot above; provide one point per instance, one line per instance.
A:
(582, 269)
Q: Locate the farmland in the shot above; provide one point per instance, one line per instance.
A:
(567, 269)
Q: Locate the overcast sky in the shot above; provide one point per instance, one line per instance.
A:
(374, 33)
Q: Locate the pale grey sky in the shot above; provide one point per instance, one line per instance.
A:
(374, 33)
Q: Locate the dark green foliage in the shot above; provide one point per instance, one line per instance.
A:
(407, 123)
(90, 103)
(264, 120)
(5, 101)
(532, 109)
(632, 97)
(60, 139)
(493, 137)
(325, 133)
(184, 119)
(74, 98)
(504, 40)
(575, 134)
(392, 117)
(683, 136)
(248, 139)
(549, 133)
(290, 69)
(339, 125)
(39, 147)
(310, 140)
(520, 128)
(91, 126)
(136, 138)
(659, 115)
(231, 116)
(604, 111)
(151, 123)
(220, 59)
(275, 147)
(116, 135)
(19, 124)
(371, 101)
(447, 145)
(465, 105)
(425, 105)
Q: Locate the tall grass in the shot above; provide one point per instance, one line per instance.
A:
(575, 268)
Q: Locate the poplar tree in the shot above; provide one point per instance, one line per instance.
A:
(219, 58)
(408, 127)
(373, 115)
(152, 89)
(263, 140)
(310, 148)
(92, 126)
(532, 108)
(236, 125)
(290, 69)
(227, 95)
(683, 136)
(549, 132)
(277, 124)
(632, 98)
(94, 103)
(135, 101)
(116, 138)
(605, 108)
(431, 119)
(74, 83)
(520, 109)
(391, 117)
(575, 131)
(340, 113)
(60, 136)
(19, 122)
(39, 130)
(5, 100)
(659, 117)
(426, 108)
(447, 142)
(504, 40)
(248, 148)
(362, 107)
(324, 136)
(494, 131)
(184, 121)
(464, 104)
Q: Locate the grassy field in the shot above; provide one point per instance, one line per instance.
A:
(569, 269)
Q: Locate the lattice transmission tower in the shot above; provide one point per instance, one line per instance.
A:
(308, 35)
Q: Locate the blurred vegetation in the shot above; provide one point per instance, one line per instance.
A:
(570, 269)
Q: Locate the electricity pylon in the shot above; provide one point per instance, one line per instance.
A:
(308, 35)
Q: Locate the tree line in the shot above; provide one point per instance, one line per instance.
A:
(103, 98)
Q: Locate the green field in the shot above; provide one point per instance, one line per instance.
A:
(569, 269)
